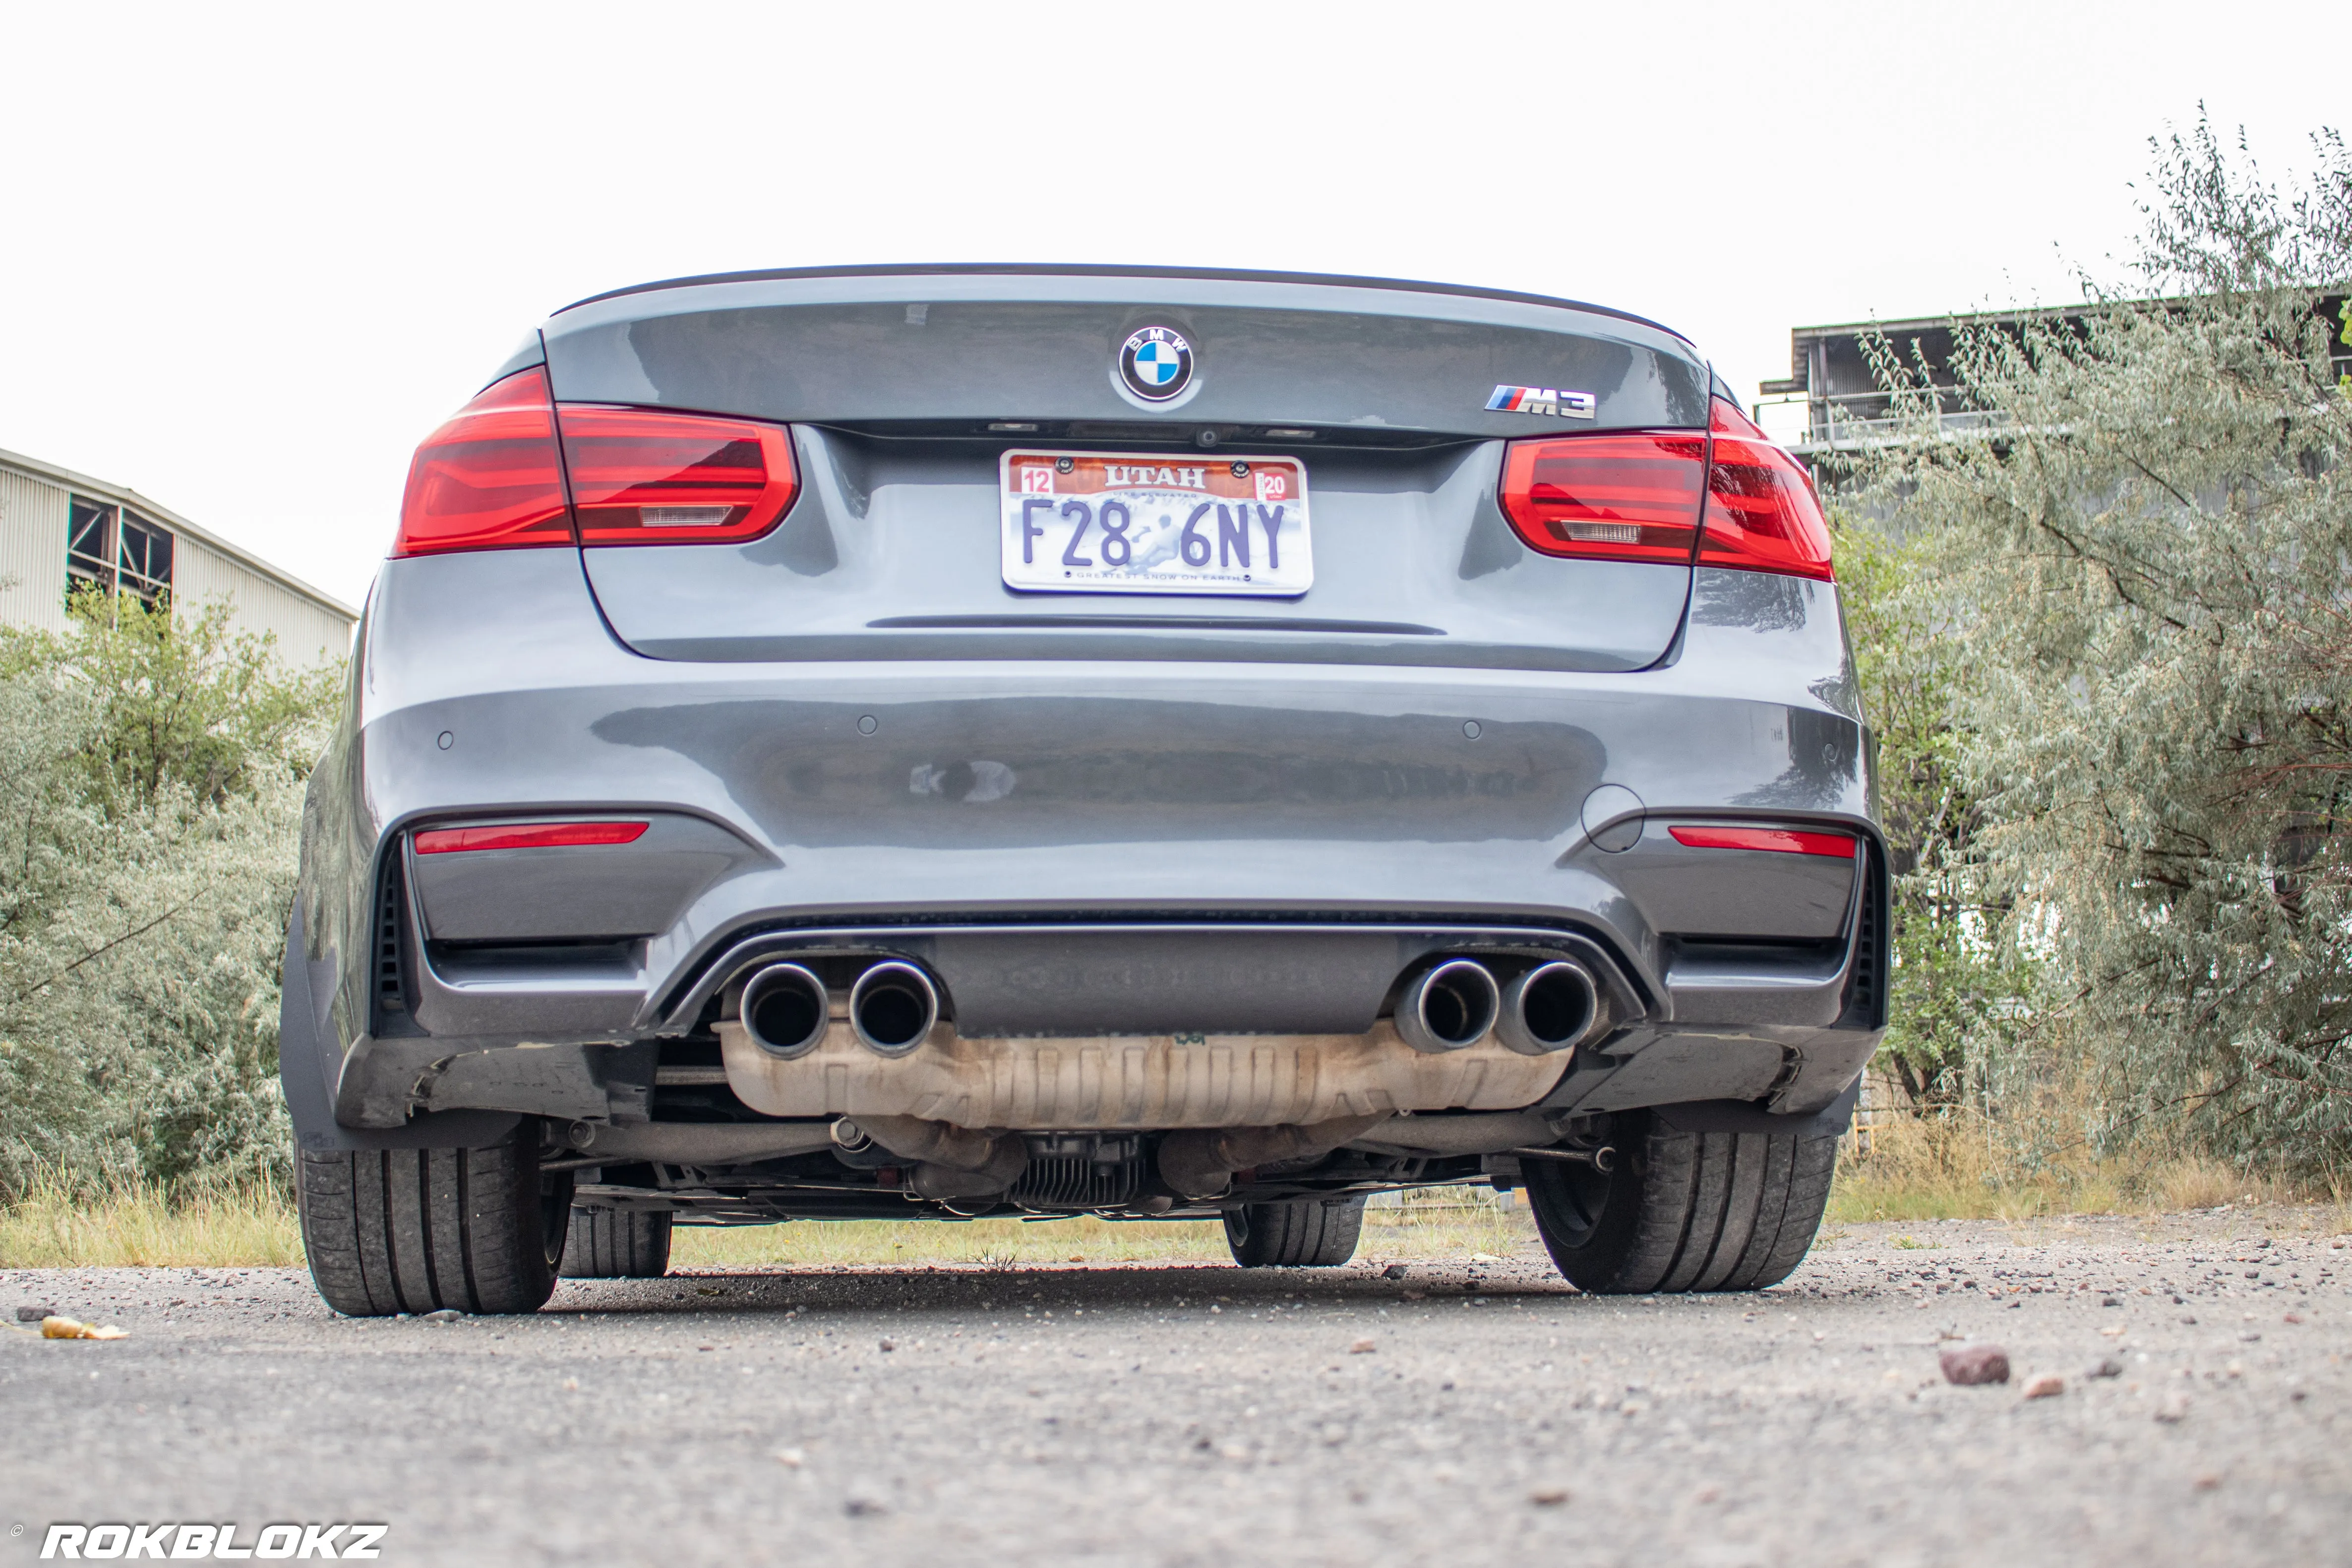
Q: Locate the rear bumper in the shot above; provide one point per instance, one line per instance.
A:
(1073, 848)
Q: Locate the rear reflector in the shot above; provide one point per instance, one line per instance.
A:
(1762, 512)
(645, 477)
(1633, 497)
(488, 479)
(529, 836)
(1783, 840)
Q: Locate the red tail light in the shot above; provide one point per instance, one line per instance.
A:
(488, 479)
(1762, 512)
(1783, 840)
(1633, 497)
(529, 836)
(644, 478)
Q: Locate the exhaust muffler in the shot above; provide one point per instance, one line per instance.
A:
(785, 1010)
(1448, 1008)
(948, 1161)
(893, 1008)
(1551, 1007)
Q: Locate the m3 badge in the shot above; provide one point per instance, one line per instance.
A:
(1548, 402)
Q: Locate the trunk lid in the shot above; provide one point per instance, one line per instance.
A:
(904, 389)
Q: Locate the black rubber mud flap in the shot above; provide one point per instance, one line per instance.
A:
(306, 1069)
(1739, 1116)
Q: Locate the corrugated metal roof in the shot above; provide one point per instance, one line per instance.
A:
(1931, 323)
(122, 495)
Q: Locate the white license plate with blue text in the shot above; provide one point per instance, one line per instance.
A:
(1081, 523)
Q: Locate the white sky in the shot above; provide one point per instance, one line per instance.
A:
(249, 256)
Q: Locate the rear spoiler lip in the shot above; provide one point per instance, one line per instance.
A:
(1066, 269)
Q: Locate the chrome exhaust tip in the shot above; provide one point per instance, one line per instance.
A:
(1551, 1007)
(784, 1010)
(892, 1007)
(1450, 1007)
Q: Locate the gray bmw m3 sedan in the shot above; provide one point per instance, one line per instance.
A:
(948, 741)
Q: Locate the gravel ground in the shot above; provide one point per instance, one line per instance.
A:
(1148, 1414)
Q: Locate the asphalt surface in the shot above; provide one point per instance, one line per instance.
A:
(1147, 1415)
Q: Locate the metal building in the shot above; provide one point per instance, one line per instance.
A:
(1830, 379)
(59, 529)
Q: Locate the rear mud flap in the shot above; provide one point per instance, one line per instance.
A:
(308, 1071)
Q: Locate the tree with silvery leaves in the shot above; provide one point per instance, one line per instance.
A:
(152, 766)
(2133, 561)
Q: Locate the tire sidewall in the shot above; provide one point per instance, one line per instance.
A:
(1598, 1263)
(1246, 1240)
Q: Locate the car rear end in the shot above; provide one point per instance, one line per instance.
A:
(1031, 741)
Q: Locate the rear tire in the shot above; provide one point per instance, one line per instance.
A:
(618, 1244)
(415, 1230)
(1684, 1211)
(1309, 1233)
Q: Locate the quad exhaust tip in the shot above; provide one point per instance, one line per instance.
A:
(1554, 1006)
(893, 1008)
(785, 1010)
(1551, 1007)
(1452, 1005)
(1449, 1007)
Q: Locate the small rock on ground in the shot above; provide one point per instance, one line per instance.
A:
(1970, 1366)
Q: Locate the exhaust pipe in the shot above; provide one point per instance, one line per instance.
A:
(1551, 1007)
(1465, 1133)
(1448, 1008)
(948, 1161)
(1200, 1163)
(892, 1007)
(699, 1142)
(1603, 1159)
(784, 1010)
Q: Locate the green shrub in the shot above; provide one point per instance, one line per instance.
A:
(152, 767)
(2132, 571)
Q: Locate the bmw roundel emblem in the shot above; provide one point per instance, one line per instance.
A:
(1156, 363)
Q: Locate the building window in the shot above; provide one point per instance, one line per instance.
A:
(146, 558)
(110, 550)
(90, 546)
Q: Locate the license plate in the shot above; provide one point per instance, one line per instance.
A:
(1082, 522)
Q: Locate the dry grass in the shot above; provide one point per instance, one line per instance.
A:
(986, 1243)
(1919, 1169)
(1448, 1222)
(1965, 1167)
(56, 1226)
(1451, 1222)
(137, 1224)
